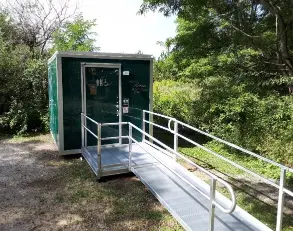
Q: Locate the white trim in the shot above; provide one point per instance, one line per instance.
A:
(101, 55)
(103, 65)
(60, 105)
(83, 91)
(83, 100)
(52, 57)
(120, 105)
(151, 98)
(83, 133)
(55, 142)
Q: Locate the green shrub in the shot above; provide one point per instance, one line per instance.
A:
(175, 99)
(262, 124)
(25, 88)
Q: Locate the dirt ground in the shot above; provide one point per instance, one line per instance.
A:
(43, 191)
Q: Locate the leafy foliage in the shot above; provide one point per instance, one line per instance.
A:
(24, 92)
(262, 124)
(238, 57)
(170, 98)
(75, 36)
(23, 74)
(208, 29)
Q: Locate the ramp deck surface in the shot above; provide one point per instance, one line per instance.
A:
(186, 204)
(114, 158)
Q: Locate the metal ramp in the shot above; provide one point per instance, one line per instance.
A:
(195, 204)
(186, 200)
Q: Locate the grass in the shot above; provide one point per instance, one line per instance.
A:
(210, 161)
(79, 202)
(30, 137)
(252, 195)
(122, 202)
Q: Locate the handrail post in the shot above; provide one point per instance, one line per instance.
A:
(99, 149)
(175, 138)
(143, 125)
(212, 205)
(130, 147)
(281, 200)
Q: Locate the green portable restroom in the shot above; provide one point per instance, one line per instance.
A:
(107, 87)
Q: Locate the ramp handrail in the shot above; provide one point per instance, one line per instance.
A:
(98, 136)
(283, 168)
(214, 178)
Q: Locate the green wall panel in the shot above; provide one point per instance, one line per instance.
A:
(135, 87)
(53, 99)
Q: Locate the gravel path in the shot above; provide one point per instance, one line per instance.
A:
(25, 187)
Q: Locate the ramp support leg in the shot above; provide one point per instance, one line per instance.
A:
(281, 200)
(212, 205)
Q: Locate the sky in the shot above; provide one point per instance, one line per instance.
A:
(121, 30)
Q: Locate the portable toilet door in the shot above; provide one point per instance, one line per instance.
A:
(102, 99)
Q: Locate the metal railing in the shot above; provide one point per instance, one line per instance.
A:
(283, 169)
(213, 178)
(99, 138)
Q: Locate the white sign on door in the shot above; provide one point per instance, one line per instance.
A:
(102, 83)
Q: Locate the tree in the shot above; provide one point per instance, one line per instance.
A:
(23, 70)
(238, 55)
(75, 36)
(261, 25)
(36, 20)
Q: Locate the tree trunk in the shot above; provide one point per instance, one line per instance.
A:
(282, 37)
